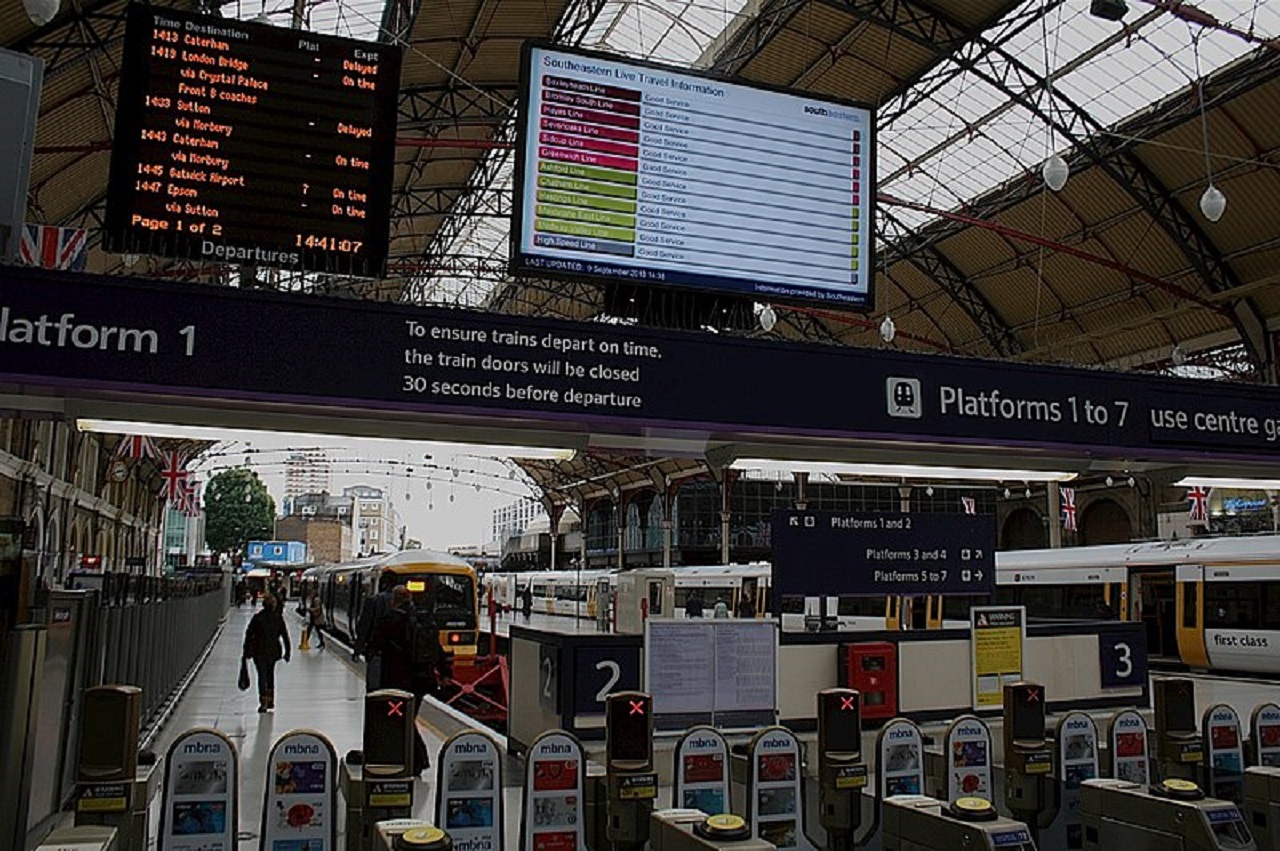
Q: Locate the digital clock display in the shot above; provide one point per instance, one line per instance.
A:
(250, 144)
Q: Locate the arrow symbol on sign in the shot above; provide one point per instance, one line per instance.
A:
(977, 574)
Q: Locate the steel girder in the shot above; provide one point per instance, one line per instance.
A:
(997, 67)
(453, 104)
(439, 200)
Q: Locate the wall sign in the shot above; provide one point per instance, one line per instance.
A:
(967, 749)
(199, 808)
(1130, 752)
(553, 801)
(900, 769)
(71, 330)
(1264, 726)
(469, 796)
(701, 775)
(599, 672)
(1224, 753)
(1122, 656)
(774, 802)
(997, 636)
(549, 677)
(300, 805)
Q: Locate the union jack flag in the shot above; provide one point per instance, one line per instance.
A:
(137, 446)
(1068, 508)
(189, 500)
(174, 476)
(970, 504)
(52, 247)
(1199, 510)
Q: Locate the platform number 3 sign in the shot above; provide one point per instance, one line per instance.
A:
(1122, 657)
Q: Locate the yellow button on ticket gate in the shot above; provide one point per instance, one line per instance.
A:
(723, 826)
(973, 809)
(1183, 790)
(423, 839)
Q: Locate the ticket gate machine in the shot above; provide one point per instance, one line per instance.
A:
(841, 772)
(81, 838)
(1173, 815)
(631, 781)
(1030, 794)
(409, 834)
(1262, 806)
(919, 823)
(377, 782)
(113, 786)
(694, 830)
(1179, 745)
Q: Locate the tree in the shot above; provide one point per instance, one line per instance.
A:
(238, 509)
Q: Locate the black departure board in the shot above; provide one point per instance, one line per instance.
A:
(245, 143)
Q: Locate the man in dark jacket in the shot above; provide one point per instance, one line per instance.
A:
(411, 658)
(263, 642)
(374, 608)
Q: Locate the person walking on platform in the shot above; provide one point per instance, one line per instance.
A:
(315, 621)
(526, 601)
(395, 639)
(374, 608)
(263, 641)
(693, 606)
(722, 608)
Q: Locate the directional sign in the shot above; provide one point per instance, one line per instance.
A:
(818, 553)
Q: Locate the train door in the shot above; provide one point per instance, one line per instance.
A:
(1153, 603)
(1191, 616)
(892, 613)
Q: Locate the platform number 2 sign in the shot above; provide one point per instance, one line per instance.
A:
(601, 671)
(1122, 657)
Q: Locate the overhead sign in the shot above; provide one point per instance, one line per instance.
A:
(176, 340)
(1264, 725)
(967, 749)
(712, 671)
(238, 142)
(900, 769)
(701, 776)
(658, 175)
(774, 801)
(469, 796)
(1130, 756)
(880, 554)
(997, 636)
(199, 807)
(553, 802)
(1224, 753)
(300, 805)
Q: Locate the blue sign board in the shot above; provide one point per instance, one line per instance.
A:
(830, 553)
(276, 552)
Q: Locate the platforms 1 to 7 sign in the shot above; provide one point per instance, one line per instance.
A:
(817, 553)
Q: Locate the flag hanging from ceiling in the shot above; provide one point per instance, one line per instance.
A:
(52, 247)
(970, 504)
(1198, 511)
(137, 446)
(174, 476)
(1068, 508)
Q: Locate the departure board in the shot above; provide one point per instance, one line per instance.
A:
(245, 143)
(647, 174)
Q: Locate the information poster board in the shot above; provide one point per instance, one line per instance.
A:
(1077, 762)
(1224, 753)
(469, 796)
(774, 798)
(722, 672)
(199, 808)
(1130, 752)
(300, 805)
(900, 751)
(553, 801)
(997, 639)
(701, 776)
(969, 756)
(1264, 727)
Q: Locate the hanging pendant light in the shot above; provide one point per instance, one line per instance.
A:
(888, 330)
(41, 12)
(1213, 203)
(768, 318)
(1055, 172)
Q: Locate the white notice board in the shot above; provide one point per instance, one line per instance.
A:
(722, 672)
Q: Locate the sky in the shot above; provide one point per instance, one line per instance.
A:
(445, 493)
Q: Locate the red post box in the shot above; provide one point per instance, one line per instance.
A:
(872, 669)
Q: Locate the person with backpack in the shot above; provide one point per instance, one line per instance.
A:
(411, 658)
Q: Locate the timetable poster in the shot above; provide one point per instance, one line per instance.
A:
(655, 175)
(244, 143)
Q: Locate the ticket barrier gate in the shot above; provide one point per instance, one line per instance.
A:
(377, 782)
(113, 785)
(1262, 806)
(631, 782)
(842, 774)
(409, 834)
(694, 830)
(919, 823)
(1030, 792)
(1179, 745)
(1173, 815)
(81, 838)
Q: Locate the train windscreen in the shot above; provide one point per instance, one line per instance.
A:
(450, 597)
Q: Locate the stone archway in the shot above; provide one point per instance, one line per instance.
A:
(1024, 529)
(1105, 521)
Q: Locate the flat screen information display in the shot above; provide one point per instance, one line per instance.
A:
(246, 143)
(635, 173)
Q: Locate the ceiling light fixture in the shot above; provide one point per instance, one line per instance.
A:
(1227, 482)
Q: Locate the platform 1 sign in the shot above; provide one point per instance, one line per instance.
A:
(300, 807)
(199, 806)
(881, 554)
(469, 800)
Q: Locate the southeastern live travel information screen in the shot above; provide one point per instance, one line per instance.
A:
(635, 173)
(246, 143)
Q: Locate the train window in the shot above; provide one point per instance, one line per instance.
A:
(792, 605)
(1190, 595)
(1271, 605)
(957, 608)
(860, 607)
(1231, 605)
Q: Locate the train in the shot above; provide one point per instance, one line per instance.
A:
(440, 584)
(1207, 603)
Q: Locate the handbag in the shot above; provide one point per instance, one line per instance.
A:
(243, 681)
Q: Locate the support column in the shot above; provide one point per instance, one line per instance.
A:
(1055, 515)
(802, 490)
(726, 486)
